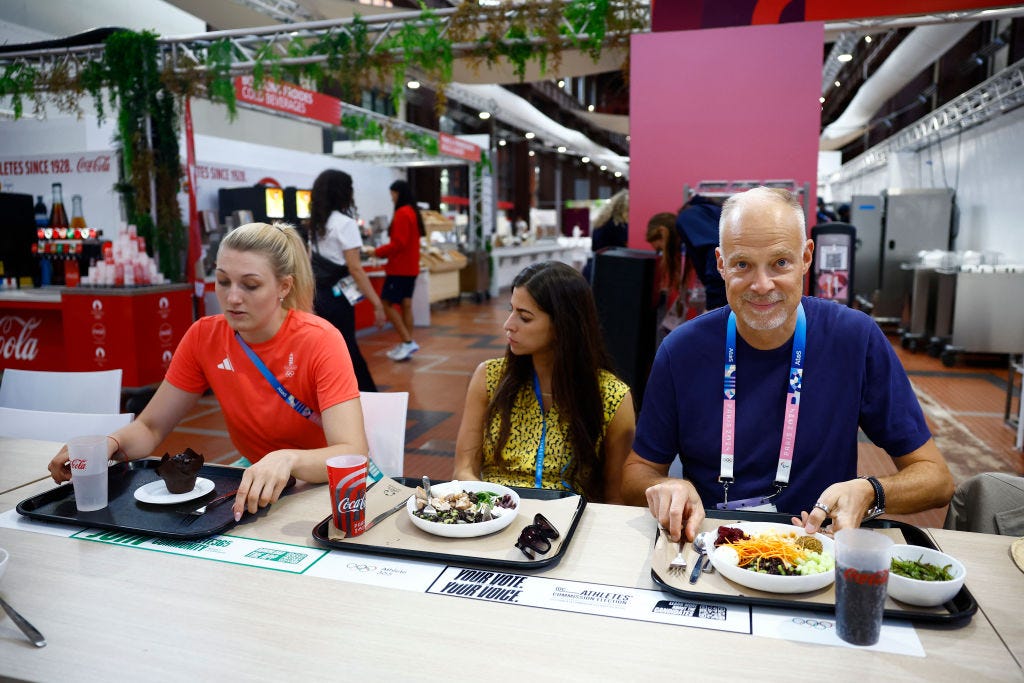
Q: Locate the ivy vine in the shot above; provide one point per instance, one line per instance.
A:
(129, 78)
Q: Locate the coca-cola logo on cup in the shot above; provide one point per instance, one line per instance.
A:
(349, 505)
(879, 578)
(99, 332)
(78, 464)
(16, 338)
(100, 164)
(166, 334)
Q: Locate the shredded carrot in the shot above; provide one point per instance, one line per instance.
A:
(769, 545)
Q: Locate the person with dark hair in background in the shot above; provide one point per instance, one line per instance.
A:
(697, 224)
(664, 239)
(824, 215)
(843, 213)
(550, 414)
(335, 245)
(403, 254)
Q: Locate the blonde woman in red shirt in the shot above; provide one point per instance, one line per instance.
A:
(403, 255)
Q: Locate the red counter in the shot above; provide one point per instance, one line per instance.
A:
(31, 332)
(95, 328)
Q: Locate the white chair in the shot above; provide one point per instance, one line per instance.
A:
(384, 415)
(53, 426)
(71, 392)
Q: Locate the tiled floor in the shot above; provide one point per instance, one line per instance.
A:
(964, 404)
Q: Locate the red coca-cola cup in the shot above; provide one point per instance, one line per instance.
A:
(346, 477)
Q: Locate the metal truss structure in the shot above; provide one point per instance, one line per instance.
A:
(996, 96)
(188, 53)
(269, 45)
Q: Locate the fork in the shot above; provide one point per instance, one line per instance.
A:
(200, 511)
(678, 563)
(428, 509)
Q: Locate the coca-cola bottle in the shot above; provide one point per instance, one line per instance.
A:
(58, 217)
(77, 219)
(42, 215)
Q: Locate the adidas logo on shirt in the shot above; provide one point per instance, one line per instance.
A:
(226, 364)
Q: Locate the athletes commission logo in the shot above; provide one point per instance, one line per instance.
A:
(361, 567)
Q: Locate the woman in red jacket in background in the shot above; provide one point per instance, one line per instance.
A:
(403, 255)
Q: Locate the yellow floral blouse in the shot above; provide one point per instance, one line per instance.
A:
(525, 432)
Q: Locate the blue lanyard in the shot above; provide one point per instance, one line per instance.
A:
(793, 390)
(297, 405)
(538, 478)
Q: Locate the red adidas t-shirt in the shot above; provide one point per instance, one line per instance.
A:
(307, 355)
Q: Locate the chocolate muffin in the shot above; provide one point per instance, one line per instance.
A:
(179, 471)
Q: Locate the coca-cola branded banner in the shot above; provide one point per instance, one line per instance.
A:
(456, 147)
(289, 98)
(32, 338)
(89, 174)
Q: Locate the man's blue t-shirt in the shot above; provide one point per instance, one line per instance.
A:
(852, 378)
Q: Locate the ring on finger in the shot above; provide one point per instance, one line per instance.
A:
(824, 508)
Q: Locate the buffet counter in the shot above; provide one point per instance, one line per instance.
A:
(508, 261)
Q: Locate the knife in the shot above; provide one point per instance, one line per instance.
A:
(384, 515)
(28, 629)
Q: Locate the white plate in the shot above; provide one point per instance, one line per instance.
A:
(770, 582)
(156, 492)
(465, 530)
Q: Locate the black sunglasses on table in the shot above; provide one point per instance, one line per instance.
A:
(537, 537)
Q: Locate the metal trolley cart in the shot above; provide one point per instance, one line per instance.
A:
(987, 313)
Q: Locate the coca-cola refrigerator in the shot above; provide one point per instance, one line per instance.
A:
(17, 234)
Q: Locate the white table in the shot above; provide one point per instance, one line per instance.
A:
(23, 461)
(115, 612)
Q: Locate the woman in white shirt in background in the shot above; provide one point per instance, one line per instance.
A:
(335, 244)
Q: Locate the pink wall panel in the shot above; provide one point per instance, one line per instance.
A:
(721, 104)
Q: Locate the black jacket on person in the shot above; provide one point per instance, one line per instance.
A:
(697, 224)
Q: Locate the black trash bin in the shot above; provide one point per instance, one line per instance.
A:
(623, 282)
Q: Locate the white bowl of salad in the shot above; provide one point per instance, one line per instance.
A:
(465, 509)
(775, 558)
(923, 576)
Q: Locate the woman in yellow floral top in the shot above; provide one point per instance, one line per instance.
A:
(550, 414)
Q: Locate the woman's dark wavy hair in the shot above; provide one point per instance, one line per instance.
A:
(332, 191)
(564, 294)
(407, 198)
(670, 252)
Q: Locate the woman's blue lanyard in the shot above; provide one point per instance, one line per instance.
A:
(796, 372)
(538, 477)
(295, 404)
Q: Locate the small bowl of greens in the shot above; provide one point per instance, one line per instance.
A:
(922, 576)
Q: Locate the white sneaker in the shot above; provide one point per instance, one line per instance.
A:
(394, 349)
(405, 351)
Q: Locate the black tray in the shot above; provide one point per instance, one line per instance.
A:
(320, 535)
(125, 513)
(959, 610)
